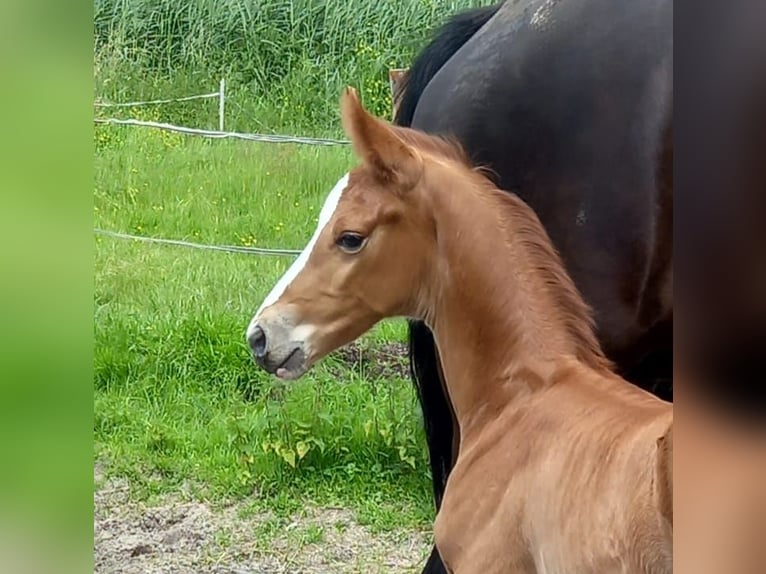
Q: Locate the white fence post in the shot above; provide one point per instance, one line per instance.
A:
(221, 103)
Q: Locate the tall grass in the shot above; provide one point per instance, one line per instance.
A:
(285, 60)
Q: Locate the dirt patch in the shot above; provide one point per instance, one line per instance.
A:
(177, 536)
(378, 361)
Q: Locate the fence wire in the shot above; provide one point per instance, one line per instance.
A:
(183, 243)
(269, 138)
(155, 102)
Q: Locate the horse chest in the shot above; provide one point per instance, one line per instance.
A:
(481, 529)
(491, 537)
(477, 529)
(510, 510)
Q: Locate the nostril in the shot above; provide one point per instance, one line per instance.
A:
(257, 340)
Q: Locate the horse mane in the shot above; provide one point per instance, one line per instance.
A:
(447, 40)
(575, 313)
(446, 147)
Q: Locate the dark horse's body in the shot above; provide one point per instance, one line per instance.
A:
(570, 104)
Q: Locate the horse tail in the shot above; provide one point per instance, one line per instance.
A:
(445, 42)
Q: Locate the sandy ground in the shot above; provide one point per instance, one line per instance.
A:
(179, 536)
(176, 535)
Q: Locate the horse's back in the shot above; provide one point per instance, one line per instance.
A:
(570, 103)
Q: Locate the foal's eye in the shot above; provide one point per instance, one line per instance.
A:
(350, 242)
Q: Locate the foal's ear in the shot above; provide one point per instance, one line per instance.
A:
(377, 144)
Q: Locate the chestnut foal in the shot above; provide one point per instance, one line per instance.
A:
(563, 467)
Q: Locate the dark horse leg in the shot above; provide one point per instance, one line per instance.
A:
(437, 413)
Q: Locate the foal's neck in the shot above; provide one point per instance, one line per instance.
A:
(506, 315)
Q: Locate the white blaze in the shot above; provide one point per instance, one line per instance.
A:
(324, 216)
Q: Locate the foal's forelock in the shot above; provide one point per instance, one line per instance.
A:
(326, 213)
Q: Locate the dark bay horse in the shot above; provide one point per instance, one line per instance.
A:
(570, 104)
(563, 467)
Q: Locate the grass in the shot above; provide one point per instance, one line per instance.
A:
(179, 407)
(178, 402)
(285, 61)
